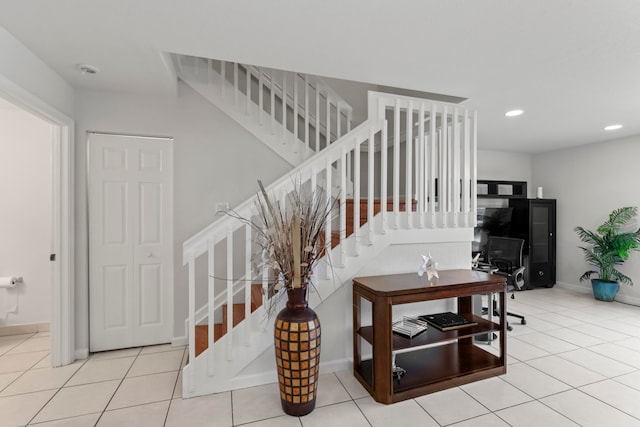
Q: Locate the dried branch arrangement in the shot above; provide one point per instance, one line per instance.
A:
(290, 234)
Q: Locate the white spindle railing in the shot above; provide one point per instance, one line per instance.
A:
(437, 175)
(300, 96)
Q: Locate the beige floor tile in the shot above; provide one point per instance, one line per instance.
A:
(41, 379)
(596, 362)
(599, 332)
(32, 344)
(8, 378)
(20, 362)
(177, 391)
(560, 320)
(574, 337)
(256, 403)
(451, 406)
(565, 371)
(154, 363)
(281, 421)
(548, 343)
(78, 400)
(149, 415)
(18, 410)
(330, 391)
(144, 389)
(102, 370)
(521, 350)
(352, 385)
(621, 327)
(185, 358)
(89, 420)
(617, 395)
(619, 353)
(407, 413)
(535, 324)
(632, 379)
(213, 410)
(8, 345)
(534, 414)
(632, 343)
(44, 363)
(532, 381)
(494, 393)
(160, 348)
(488, 420)
(114, 354)
(587, 411)
(341, 414)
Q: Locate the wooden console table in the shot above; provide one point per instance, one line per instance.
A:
(434, 360)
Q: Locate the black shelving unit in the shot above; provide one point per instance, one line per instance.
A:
(491, 189)
(534, 220)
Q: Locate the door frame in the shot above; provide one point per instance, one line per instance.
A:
(62, 218)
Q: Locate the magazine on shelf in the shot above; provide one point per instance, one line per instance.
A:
(447, 321)
(409, 326)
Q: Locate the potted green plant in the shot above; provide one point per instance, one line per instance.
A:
(609, 246)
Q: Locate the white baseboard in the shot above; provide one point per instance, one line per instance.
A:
(179, 341)
(81, 353)
(244, 381)
(625, 299)
(574, 287)
(27, 328)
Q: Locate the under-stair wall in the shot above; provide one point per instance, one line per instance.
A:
(412, 164)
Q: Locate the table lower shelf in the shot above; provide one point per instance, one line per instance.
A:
(436, 368)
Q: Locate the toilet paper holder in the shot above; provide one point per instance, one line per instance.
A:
(10, 281)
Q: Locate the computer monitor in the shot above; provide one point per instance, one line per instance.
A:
(491, 222)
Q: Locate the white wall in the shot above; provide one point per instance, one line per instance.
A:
(215, 160)
(25, 216)
(19, 66)
(507, 166)
(588, 183)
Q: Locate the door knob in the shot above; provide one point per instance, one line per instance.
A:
(149, 254)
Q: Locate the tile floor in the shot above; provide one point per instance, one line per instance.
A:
(576, 362)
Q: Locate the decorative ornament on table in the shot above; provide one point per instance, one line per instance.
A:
(430, 266)
(475, 261)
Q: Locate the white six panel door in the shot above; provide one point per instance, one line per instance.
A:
(130, 241)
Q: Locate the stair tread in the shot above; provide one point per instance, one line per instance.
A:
(220, 329)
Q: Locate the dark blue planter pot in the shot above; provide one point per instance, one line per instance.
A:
(604, 291)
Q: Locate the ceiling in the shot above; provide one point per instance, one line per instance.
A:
(572, 65)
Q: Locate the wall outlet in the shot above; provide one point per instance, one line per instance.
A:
(222, 208)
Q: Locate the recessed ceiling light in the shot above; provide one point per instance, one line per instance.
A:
(612, 127)
(88, 69)
(513, 113)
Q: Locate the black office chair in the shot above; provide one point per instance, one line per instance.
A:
(504, 254)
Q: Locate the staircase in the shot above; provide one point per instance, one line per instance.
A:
(412, 165)
(294, 114)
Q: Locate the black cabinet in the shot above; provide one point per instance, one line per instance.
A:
(534, 220)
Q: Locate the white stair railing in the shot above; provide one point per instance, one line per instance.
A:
(423, 176)
(302, 111)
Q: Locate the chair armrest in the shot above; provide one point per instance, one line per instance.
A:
(518, 278)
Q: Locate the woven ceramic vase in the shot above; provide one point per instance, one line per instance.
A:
(297, 345)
